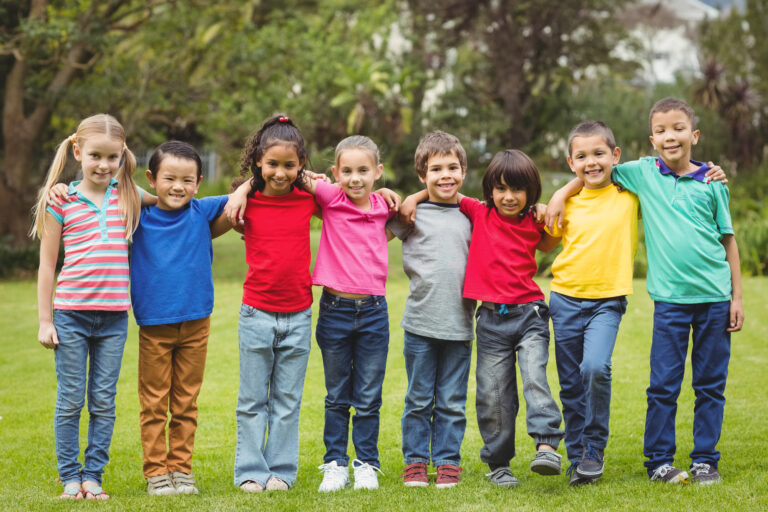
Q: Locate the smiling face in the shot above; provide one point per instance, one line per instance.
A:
(509, 201)
(176, 182)
(672, 135)
(280, 165)
(443, 178)
(99, 156)
(592, 160)
(356, 173)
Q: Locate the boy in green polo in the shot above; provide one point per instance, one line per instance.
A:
(695, 282)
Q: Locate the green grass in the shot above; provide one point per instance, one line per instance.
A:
(27, 396)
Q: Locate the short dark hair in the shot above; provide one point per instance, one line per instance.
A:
(588, 129)
(438, 143)
(667, 104)
(516, 170)
(175, 148)
(276, 130)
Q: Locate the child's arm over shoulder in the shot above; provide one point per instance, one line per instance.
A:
(49, 252)
(556, 206)
(391, 197)
(547, 242)
(737, 308)
(408, 208)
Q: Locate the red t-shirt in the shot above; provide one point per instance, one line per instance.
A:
(501, 263)
(277, 251)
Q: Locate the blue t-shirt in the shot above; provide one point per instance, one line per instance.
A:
(171, 258)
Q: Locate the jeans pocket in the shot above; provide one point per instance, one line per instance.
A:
(246, 310)
(542, 310)
(328, 305)
(621, 305)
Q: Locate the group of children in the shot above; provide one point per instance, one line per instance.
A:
(463, 258)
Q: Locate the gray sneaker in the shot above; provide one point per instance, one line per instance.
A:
(160, 485)
(704, 474)
(502, 477)
(184, 482)
(591, 463)
(546, 462)
(669, 474)
(574, 477)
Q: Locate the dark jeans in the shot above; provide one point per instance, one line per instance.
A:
(353, 336)
(711, 351)
(585, 334)
(522, 331)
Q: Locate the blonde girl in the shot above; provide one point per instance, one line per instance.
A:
(86, 322)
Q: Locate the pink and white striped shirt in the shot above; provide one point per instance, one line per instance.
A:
(95, 272)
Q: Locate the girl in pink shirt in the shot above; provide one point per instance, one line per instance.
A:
(353, 326)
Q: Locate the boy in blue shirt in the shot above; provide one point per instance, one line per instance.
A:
(695, 281)
(172, 297)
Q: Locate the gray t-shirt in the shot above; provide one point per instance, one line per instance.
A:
(435, 253)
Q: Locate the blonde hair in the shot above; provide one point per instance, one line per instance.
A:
(128, 195)
(360, 142)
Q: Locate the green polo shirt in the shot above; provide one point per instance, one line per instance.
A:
(685, 219)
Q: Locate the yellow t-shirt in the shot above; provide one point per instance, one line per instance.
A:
(599, 242)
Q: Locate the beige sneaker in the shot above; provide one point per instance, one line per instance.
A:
(276, 484)
(184, 482)
(160, 485)
(250, 486)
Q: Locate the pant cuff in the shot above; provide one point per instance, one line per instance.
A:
(411, 460)
(552, 440)
(443, 462)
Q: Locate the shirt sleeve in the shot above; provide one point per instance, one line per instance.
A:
(57, 213)
(400, 229)
(629, 175)
(722, 208)
(212, 206)
(325, 193)
(471, 207)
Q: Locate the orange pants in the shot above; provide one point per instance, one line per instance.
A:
(171, 367)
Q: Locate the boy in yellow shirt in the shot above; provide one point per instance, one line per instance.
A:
(592, 276)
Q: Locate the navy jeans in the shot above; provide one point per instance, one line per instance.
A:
(522, 331)
(353, 336)
(436, 399)
(88, 357)
(711, 351)
(585, 334)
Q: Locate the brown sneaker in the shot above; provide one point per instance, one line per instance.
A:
(415, 475)
(448, 476)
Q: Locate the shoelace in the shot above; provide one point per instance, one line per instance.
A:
(591, 454)
(329, 466)
(699, 467)
(500, 471)
(363, 466)
(572, 468)
(662, 471)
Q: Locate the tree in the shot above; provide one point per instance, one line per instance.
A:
(44, 47)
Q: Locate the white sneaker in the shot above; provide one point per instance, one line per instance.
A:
(365, 475)
(335, 477)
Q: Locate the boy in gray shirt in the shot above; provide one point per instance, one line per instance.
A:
(438, 321)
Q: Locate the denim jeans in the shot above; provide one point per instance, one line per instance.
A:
(274, 350)
(523, 331)
(436, 399)
(710, 353)
(90, 343)
(353, 336)
(585, 334)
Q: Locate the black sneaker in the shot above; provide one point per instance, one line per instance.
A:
(669, 474)
(704, 474)
(590, 464)
(574, 478)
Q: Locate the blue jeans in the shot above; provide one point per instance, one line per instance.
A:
(353, 336)
(90, 342)
(585, 334)
(523, 331)
(436, 398)
(274, 350)
(711, 351)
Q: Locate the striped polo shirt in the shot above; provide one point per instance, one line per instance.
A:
(95, 272)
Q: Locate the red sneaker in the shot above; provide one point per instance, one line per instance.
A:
(448, 476)
(415, 475)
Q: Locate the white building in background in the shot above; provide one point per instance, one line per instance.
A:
(665, 34)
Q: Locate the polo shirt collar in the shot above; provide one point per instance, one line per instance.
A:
(698, 175)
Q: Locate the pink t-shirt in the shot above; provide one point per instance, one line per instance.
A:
(352, 256)
(501, 262)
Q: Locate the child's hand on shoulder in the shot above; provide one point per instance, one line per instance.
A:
(58, 195)
(317, 176)
(391, 197)
(715, 173)
(539, 212)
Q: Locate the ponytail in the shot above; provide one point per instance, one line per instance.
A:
(127, 193)
(54, 171)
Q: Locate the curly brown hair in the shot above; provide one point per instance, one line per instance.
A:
(278, 129)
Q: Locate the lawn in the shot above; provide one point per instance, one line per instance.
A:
(27, 396)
